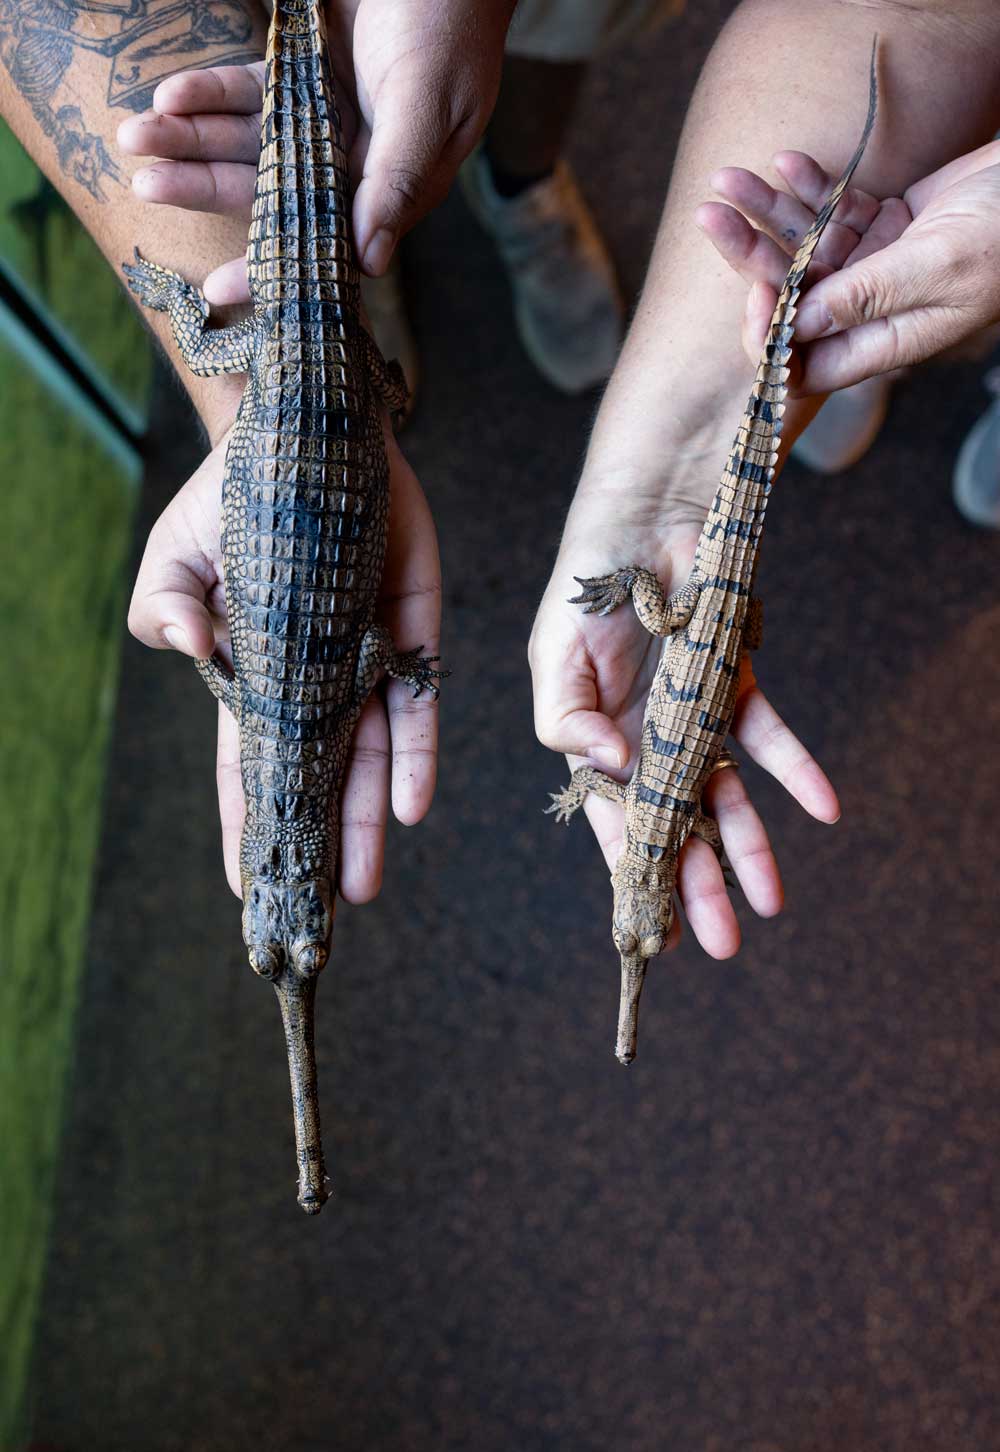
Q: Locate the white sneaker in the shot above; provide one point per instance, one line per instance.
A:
(846, 426)
(567, 304)
(975, 485)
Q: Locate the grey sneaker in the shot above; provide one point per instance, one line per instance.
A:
(975, 485)
(386, 308)
(846, 426)
(567, 304)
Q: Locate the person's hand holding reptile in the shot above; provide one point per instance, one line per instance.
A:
(179, 603)
(896, 280)
(416, 82)
(592, 676)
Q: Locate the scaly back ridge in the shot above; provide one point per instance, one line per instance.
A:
(737, 512)
(299, 247)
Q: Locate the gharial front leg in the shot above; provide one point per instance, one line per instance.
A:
(659, 612)
(206, 351)
(378, 653)
(585, 779)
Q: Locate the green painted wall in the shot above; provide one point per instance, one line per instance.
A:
(65, 278)
(68, 490)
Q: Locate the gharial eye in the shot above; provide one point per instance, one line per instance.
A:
(627, 942)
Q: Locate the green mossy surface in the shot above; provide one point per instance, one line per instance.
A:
(65, 277)
(68, 493)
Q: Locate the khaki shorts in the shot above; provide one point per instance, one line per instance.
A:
(575, 30)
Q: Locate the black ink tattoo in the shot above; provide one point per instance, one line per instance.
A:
(152, 39)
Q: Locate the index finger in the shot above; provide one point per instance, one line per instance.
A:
(236, 90)
(232, 806)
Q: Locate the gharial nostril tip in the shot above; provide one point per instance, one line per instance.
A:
(265, 962)
(311, 959)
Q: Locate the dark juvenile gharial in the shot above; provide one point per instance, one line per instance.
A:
(305, 506)
(709, 622)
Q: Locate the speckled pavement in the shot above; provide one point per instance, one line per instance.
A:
(778, 1231)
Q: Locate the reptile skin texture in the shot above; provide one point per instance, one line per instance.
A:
(708, 623)
(305, 504)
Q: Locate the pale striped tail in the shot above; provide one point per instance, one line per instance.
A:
(751, 465)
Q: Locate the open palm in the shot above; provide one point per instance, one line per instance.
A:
(179, 602)
(592, 676)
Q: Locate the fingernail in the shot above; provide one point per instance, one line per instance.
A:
(813, 320)
(378, 252)
(177, 639)
(605, 755)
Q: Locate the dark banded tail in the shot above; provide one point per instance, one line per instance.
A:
(299, 245)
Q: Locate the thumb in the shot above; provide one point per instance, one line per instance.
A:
(419, 137)
(166, 615)
(906, 275)
(580, 733)
(895, 308)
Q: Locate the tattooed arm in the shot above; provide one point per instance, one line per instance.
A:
(70, 72)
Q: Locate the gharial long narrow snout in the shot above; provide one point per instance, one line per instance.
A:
(297, 998)
(633, 977)
(287, 927)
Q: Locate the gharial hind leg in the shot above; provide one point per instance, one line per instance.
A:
(219, 681)
(659, 612)
(585, 779)
(707, 828)
(206, 351)
(386, 377)
(753, 625)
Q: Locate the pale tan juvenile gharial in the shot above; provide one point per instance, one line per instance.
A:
(708, 623)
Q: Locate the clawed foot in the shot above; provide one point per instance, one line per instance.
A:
(565, 803)
(397, 395)
(156, 287)
(707, 828)
(417, 671)
(604, 593)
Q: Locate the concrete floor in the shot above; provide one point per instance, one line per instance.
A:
(778, 1231)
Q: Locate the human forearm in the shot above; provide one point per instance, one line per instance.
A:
(780, 74)
(65, 88)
